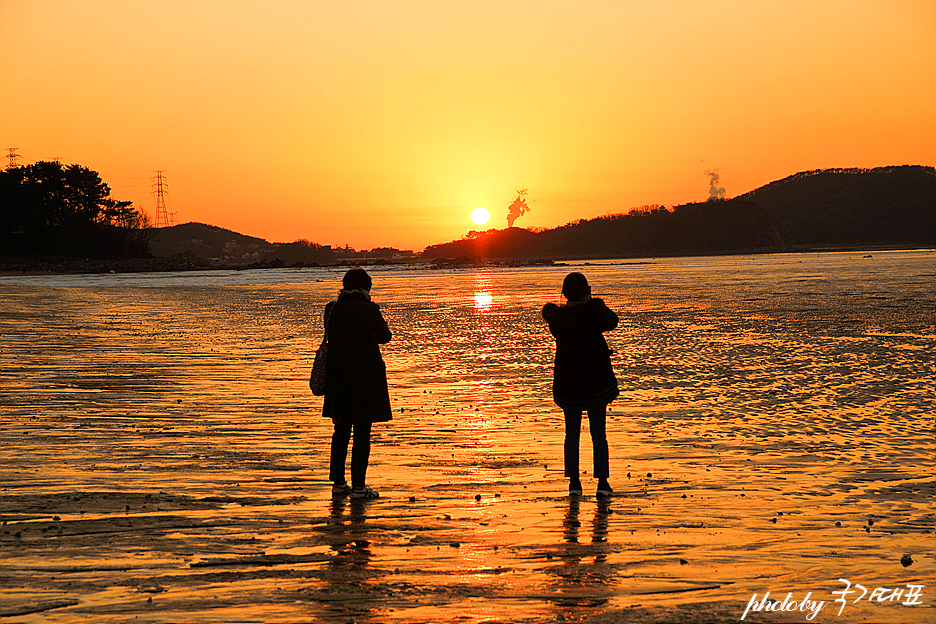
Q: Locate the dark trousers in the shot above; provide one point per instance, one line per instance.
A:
(573, 428)
(360, 453)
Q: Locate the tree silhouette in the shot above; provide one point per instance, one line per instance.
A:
(48, 208)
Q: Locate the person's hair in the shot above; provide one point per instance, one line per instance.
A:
(356, 279)
(575, 287)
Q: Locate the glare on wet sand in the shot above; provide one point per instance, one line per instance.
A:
(163, 459)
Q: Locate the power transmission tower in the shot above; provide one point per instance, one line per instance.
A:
(160, 188)
(13, 157)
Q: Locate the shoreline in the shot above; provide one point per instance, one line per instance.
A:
(76, 266)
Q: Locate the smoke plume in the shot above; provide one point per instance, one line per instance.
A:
(517, 208)
(715, 192)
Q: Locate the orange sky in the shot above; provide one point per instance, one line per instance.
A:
(385, 123)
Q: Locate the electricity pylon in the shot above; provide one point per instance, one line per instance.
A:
(13, 157)
(159, 190)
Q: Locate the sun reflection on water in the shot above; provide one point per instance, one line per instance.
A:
(483, 302)
(483, 298)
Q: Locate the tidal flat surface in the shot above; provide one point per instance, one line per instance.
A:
(162, 460)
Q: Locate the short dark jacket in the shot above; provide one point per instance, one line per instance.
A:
(356, 381)
(583, 375)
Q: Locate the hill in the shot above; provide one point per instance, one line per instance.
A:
(831, 208)
(220, 247)
(883, 206)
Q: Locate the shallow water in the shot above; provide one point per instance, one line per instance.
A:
(162, 457)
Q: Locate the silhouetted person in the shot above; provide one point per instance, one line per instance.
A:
(583, 379)
(356, 394)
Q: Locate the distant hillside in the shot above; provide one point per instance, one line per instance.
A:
(883, 206)
(220, 247)
(888, 206)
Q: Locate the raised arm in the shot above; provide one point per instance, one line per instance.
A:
(608, 318)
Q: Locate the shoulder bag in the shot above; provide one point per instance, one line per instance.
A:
(320, 365)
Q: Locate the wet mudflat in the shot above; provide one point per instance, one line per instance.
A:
(163, 461)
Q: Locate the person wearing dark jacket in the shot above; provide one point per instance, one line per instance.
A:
(356, 394)
(583, 379)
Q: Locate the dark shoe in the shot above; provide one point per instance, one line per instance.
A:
(341, 489)
(364, 492)
(604, 489)
(575, 487)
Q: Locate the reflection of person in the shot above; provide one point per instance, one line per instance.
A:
(584, 577)
(571, 524)
(583, 379)
(356, 394)
(348, 540)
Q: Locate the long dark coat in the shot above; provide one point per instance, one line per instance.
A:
(583, 376)
(356, 379)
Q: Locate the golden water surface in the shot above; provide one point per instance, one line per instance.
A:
(162, 459)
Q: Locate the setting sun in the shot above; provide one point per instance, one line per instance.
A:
(377, 124)
(480, 216)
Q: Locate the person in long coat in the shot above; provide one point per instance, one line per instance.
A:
(356, 394)
(583, 378)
